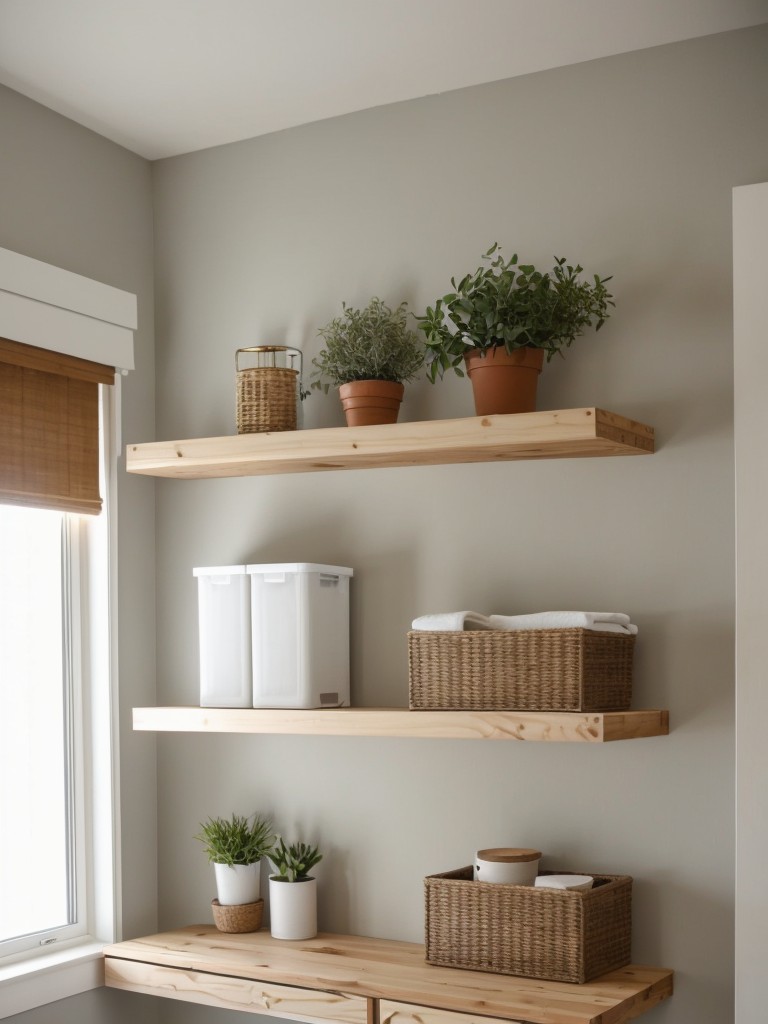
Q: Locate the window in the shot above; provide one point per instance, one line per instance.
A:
(42, 876)
(58, 805)
(61, 335)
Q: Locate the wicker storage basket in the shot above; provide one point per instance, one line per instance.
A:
(553, 934)
(237, 917)
(266, 395)
(525, 670)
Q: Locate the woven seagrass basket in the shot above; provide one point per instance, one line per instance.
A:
(266, 394)
(525, 670)
(524, 930)
(237, 917)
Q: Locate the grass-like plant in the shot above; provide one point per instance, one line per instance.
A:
(237, 840)
(293, 863)
(508, 303)
(368, 344)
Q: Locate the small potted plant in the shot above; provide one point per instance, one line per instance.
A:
(503, 319)
(236, 846)
(292, 891)
(369, 354)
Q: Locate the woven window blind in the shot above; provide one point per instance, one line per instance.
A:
(49, 428)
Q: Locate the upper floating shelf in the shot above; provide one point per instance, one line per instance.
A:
(566, 433)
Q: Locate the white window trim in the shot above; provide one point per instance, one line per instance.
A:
(67, 972)
(52, 308)
(55, 309)
(35, 978)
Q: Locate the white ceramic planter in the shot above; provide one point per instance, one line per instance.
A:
(238, 884)
(293, 909)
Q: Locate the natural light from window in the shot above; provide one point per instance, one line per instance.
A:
(36, 893)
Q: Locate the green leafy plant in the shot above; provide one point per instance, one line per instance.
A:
(293, 863)
(368, 344)
(508, 303)
(237, 840)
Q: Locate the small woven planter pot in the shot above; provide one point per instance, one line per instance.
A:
(525, 670)
(528, 931)
(238, 917)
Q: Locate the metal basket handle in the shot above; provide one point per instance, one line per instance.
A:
(291, 354)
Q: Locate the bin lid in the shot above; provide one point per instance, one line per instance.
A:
(220, 570)
(334, 570)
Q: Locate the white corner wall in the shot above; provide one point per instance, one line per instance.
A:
(750, 243)
(626, 165)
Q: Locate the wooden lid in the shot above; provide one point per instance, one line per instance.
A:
(508, 855)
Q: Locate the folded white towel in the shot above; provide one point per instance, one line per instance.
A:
(563, 881)
(613, 627)
(442, 622)
(608, 622)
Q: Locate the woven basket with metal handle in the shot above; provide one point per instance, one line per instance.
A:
(267, 394)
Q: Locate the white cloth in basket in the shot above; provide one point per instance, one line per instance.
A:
(445, 622)
(602, 622)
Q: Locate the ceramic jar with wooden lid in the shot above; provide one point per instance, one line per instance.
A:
(507, 865)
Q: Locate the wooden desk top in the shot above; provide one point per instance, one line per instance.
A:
(392, 970)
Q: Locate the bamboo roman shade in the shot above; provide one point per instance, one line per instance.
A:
(49, 428)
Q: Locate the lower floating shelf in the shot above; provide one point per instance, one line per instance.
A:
(351, 979)
(550, 726)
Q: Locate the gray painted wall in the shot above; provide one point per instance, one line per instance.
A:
(73, 199)
(626, 165)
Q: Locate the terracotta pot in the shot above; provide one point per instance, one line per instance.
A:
(366, 402)
(504, 381)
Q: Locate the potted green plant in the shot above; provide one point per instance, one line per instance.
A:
(293, 891)
(369, 354)
(501, 320)
(236, 846)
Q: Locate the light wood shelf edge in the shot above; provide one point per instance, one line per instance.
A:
(368, 968)
(564, 433)
(564, 727)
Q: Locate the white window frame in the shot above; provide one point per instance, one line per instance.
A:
(73, 549)
(73, 963)
(61, 311)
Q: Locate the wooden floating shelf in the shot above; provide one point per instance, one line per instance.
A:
(352, 979)
(567, 433)
(557, 726)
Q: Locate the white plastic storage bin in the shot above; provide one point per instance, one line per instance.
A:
(300, 638)
(224, 614)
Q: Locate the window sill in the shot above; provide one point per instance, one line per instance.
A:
(43, 979)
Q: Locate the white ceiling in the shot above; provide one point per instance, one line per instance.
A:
(163, 77)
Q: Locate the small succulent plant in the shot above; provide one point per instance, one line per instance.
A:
(293, 863)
